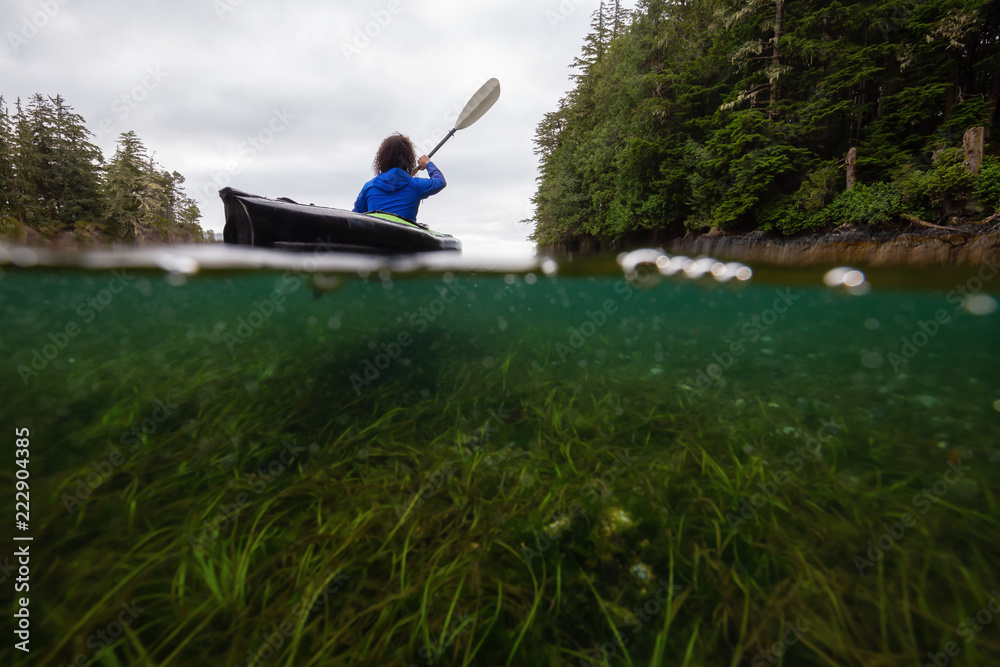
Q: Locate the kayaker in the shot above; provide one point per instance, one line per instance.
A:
(395, 188)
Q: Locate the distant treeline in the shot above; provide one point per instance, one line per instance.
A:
(53, 180)
(739, 115)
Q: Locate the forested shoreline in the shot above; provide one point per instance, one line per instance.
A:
(57, 186)
(715, 116)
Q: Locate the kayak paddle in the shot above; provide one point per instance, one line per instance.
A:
(480, 103)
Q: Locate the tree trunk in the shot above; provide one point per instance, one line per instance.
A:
(852, 158)
(972, 143)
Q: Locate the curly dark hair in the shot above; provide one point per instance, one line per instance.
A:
(396, 151)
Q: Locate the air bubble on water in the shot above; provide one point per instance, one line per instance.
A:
(531, 279)
(631, 260)
(24, 257)
(854, 278)
(872, 324)
(835, 277)
(550, 267)
(177, 263)
(980, 304)
(668, 266)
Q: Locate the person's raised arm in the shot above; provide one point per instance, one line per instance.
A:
(435, 183)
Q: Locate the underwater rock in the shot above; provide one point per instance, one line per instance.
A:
(555, 529)
(642, 572)
(614, 521)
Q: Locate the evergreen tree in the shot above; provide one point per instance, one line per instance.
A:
(123, 188)
(738, 114)
(6, 160)
(53, 180)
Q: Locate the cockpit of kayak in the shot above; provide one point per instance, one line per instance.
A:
(287, 225)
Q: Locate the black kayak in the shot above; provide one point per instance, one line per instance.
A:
(282, 223)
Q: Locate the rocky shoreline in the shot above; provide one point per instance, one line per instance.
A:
(919, 244)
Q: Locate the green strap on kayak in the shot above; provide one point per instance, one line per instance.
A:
(395, 218)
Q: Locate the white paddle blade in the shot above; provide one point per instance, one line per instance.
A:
(479, 104)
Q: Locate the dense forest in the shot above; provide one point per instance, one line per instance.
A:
(739, 115)
(54, 183)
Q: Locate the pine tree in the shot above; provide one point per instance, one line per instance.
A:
(124, 180)
(52, 178)
(10, 227)
(75, 169)
(6, 161)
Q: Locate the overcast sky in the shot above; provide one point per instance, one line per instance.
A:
(293, 98)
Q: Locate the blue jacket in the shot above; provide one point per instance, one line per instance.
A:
(398, 193)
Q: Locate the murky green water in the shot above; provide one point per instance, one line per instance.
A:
(475, 467)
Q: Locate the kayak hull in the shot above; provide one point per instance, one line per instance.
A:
(270, 223)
